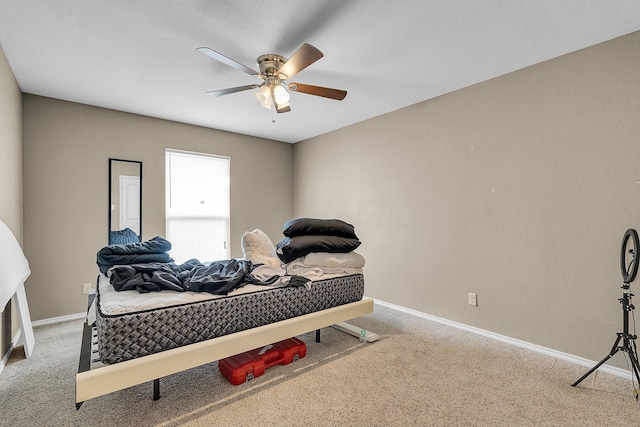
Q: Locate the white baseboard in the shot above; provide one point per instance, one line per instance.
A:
(59, 319)
(519, 343)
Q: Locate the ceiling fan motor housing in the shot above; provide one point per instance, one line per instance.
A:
(270, 64)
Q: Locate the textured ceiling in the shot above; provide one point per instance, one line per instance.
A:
(140, 56)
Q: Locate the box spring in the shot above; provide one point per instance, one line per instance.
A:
(135, 334)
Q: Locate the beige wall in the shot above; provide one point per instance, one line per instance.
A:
(518, 189)
(66, 152)
(10, 170)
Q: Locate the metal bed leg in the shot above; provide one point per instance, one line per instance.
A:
(156, 389)
(317, 335)
(84, 363)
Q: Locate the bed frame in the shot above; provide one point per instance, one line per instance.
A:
(106, 379)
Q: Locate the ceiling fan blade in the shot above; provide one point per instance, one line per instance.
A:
(300, 60)
(282, 108)
(231, 90)
(227, 61)
(326, 92)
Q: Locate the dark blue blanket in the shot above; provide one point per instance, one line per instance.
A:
(154, 250)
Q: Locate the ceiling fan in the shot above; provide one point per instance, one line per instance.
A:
(274, 70)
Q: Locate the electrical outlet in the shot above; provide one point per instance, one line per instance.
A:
(473, 298)
(87, 289)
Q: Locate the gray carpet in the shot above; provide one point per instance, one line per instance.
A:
(420, 373)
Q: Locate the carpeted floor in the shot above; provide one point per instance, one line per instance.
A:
(420, 373)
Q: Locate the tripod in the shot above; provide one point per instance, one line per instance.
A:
(628, 340)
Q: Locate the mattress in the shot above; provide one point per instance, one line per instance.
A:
(131, 325)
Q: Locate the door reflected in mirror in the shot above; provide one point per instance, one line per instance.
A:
(125, 201)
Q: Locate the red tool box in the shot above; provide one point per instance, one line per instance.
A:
(251, 364)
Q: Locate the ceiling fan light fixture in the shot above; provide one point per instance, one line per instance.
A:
(280, 95)
(263, 95)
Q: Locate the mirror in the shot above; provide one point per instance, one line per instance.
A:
(125, 201)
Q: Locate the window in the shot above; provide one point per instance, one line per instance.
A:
(197, 206)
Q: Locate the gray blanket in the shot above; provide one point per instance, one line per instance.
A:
(219, 277)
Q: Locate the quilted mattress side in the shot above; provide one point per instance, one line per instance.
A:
(130, 335)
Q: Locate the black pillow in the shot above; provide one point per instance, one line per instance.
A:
(291, 248)
(318, 227)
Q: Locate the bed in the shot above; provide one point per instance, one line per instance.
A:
(131, 325)
(136, 338)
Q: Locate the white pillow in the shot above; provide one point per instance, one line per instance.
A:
(324, 259)
(258, 248)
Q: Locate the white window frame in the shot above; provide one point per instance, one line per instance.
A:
(168, 215)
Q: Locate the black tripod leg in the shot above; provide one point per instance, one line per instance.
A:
(634, 364)
(636, 370)
(614, 350)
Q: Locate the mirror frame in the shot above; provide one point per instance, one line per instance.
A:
(111, 160)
